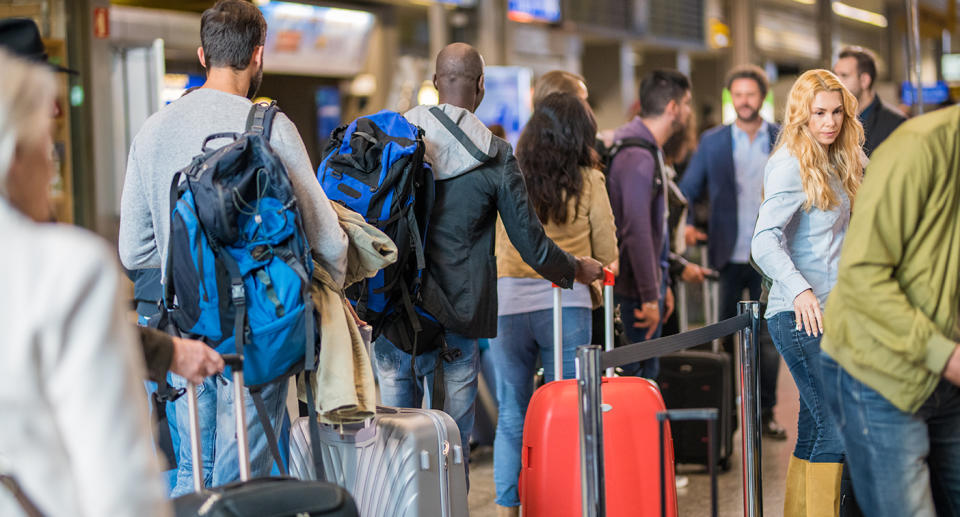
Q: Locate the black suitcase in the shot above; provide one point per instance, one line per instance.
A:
(706, 416)
(262, 497)
(696, 379)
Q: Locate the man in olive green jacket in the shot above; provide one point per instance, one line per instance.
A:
(890, 340)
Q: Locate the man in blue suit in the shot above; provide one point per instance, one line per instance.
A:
(730, 163)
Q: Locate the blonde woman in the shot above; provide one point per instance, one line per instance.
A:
(809, 184)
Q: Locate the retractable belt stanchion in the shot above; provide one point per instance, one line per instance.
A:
(591, 360)
(592, 499)
(750, 411)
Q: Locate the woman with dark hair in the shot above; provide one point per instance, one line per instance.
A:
(567, 191)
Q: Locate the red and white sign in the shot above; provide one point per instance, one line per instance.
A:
(101, 22)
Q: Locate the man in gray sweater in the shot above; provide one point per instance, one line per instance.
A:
(232, 35)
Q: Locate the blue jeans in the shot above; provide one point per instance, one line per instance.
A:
(650, 368)
(521, 338)
(901, 463)
(818, 439)
(399, 388)
(218, 432)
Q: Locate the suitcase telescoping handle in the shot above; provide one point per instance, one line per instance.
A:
(235, 362)
(710, 416)
(557, 333)
(609, 279)
(608, 282)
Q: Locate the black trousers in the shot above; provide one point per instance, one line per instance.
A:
(734, 279)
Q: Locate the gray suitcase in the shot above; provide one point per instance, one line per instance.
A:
(403, 462)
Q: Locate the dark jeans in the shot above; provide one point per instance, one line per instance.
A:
(818, 439)
(734, 278)
(901, 463)
(650, 368)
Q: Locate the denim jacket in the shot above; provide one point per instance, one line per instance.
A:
(798, 249)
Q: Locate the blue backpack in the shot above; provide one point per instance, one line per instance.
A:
(239, 267)
(238, 262)
(375, 167)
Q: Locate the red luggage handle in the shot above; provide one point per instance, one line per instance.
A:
(609, 279)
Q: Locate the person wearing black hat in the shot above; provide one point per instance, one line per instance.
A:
(21, 37)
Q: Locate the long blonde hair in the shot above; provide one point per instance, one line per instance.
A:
(816, 163)
(27, 93)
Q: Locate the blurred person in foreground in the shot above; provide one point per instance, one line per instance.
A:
(857, 70)
(891, 330)
(729, 164)
(187, 357)
(639, 200)
(567, 192)
(809, 185)
(75, 433)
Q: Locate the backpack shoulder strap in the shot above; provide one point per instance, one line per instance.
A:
(634, 142)
(260, 118)
(642, 143)
(461, 137)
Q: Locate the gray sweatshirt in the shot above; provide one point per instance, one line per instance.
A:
(167, 142)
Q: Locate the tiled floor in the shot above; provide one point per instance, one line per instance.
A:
(694, 499)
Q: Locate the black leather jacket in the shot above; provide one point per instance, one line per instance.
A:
(460, 286)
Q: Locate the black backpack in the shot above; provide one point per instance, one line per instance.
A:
(607, 155)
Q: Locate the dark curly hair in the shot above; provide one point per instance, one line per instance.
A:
(556, 142)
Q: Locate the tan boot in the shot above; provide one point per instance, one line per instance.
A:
(508, 511)
(823, 489)
(794, 500)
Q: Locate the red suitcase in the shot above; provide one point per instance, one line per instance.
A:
(550, 474)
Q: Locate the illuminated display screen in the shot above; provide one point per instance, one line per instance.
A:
(547, 11)
(311, 40)
(950, 65)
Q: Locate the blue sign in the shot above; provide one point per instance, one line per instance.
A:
(328, 113)
(932, 94)
(507, 101)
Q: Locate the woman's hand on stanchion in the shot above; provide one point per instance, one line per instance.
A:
(806, 309)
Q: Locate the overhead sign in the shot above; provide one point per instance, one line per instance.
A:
(932, 93)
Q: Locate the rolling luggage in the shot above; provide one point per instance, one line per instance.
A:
(550, 474)
(261, 497)
(697, 379)
(709, 417)
(402, 462)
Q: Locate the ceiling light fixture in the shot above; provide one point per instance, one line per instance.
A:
(861, 15)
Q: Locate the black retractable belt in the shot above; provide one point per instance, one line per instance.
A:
(667, 345)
